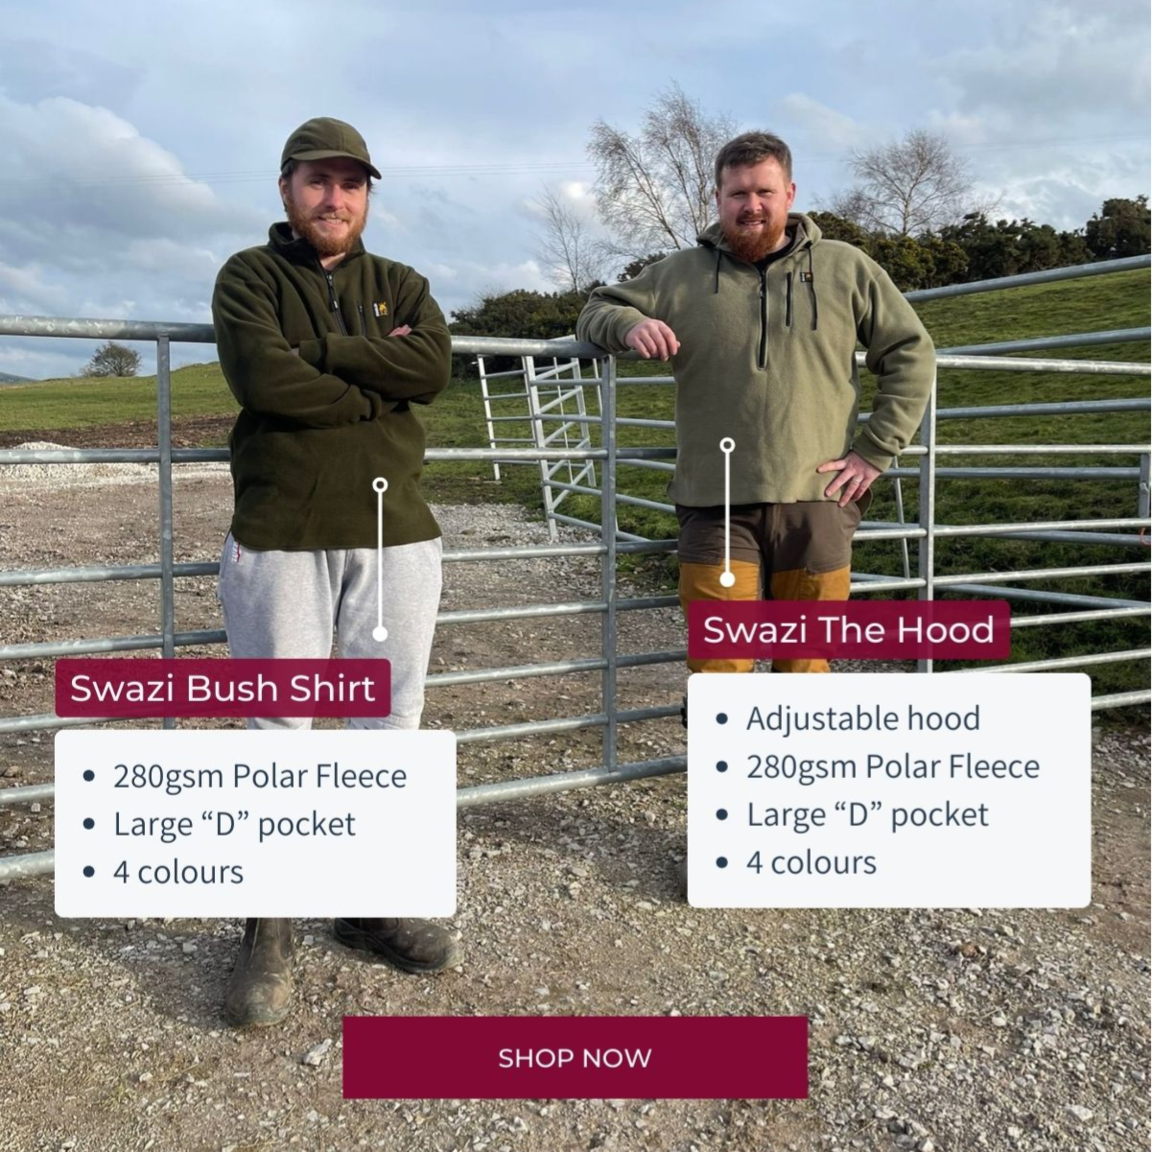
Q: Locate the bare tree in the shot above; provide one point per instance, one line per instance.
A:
(908, 186)
(654, 190)
(569, 253)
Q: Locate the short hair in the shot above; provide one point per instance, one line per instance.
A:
(290, 167)
(750, 149)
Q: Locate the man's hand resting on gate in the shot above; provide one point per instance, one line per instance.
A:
(653, 339)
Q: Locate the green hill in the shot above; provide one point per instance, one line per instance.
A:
(1101, 302)
(85, 402)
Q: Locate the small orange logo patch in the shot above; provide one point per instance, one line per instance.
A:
(380, 309)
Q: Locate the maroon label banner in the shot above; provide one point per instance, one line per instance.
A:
(141, 688)
(855, 630)
(576, 1057)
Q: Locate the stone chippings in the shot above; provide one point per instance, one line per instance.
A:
(947, 1030)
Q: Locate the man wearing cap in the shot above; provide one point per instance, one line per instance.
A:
(326, 348)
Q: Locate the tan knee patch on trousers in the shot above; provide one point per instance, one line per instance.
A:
(702, 582)
(800, 584)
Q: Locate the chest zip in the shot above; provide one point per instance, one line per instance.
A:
(762, 358)
(333, 301)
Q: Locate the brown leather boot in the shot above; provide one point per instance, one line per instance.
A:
(410, 945)
(260, 990)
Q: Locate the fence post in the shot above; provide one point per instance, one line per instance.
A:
(164, 443)
(1144, 500)
(540, 440)
(608, 536)
(488, 414)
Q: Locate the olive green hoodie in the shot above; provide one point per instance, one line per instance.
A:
(767, 357)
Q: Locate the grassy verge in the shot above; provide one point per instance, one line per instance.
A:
(197, 390)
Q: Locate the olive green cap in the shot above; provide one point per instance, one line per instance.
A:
(324, 138)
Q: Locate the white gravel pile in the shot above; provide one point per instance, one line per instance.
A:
(89, 475)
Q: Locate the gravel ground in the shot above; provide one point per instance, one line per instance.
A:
(950, 1030)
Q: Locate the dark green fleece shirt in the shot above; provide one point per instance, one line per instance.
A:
(326, 394)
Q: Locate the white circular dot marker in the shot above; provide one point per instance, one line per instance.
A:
(727, 445)
(727, 579)
(380, 484)
(380, 633)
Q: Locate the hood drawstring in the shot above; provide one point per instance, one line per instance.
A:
(811, 278)
(812, 286)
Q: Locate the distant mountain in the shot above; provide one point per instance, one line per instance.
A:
(7, 378)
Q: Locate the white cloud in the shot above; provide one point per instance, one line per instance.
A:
(135, 163)
(98, 220)
(462, 284)
(87, 165)
(1057, 64)
(42, 359)
(824, 128)
(387, 219)
(27, 285)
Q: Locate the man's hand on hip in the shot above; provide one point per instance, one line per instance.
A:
(856, 476)
(653, 339)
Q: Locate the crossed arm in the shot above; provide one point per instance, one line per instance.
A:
(333, 380)
(413, 369)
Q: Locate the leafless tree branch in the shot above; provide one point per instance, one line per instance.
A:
(654, 190)
(566, 249)
(905, 187)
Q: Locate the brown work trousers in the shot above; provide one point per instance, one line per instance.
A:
(800, 551)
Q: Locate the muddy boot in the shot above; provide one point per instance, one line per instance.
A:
(260, 990)
(410, 945)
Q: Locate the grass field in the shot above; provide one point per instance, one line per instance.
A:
(1106, 302)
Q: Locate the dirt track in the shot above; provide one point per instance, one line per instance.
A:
(930, 1029)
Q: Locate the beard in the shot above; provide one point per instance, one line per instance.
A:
(325, 243)
(752, 246)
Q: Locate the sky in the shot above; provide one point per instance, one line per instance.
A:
(141, 142)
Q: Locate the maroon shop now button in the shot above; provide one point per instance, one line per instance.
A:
(576, 1057)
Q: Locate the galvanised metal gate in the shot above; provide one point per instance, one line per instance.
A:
(609, 548)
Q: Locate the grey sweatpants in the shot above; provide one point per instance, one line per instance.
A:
(286, 604)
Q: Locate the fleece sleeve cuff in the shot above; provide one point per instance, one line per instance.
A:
(878, 457)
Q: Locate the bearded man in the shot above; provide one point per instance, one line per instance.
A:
(761, 323)
(327, 348)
